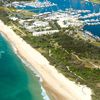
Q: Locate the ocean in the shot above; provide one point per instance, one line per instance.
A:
(17, 82)
(92, 26)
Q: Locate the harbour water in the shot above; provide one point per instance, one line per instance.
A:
(86, 10)
(17, 82)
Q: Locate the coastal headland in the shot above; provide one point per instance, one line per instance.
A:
(55, 83)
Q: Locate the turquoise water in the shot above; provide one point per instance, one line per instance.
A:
(16, 81)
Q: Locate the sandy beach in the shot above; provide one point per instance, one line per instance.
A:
(54, 82)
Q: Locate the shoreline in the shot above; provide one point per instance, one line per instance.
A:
(44, 93)
(58, 86)
(29, 71)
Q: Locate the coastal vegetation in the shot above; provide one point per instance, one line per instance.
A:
(95, 1)
(65, 52)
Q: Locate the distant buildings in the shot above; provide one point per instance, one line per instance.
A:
(47, 23)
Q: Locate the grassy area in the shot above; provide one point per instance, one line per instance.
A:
(59, 49)
(4, 14)
(95, 1)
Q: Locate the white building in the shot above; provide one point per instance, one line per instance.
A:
(40, 24)
(65, 22)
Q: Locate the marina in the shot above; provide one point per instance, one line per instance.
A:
(84, 10)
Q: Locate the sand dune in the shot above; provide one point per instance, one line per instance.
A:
(58, 86)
